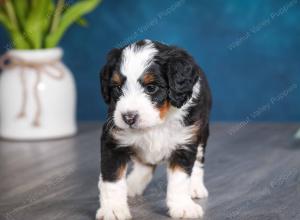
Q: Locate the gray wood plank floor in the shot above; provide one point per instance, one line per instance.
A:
(252, 174)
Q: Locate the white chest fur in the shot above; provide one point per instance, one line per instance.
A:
(156, 144)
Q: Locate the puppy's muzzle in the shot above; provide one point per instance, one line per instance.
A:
(130, 118)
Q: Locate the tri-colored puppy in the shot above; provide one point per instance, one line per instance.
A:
(159, 103)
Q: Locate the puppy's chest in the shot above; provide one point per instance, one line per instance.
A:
(157, 144)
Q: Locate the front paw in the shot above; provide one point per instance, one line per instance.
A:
(113, 213)
(134, 188)
(132, 192)
(198, 191)
(187, 209)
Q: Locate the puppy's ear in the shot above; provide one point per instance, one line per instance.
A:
(106, 72)
(181, 72)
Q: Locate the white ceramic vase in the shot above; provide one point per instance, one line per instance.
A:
(37, 96)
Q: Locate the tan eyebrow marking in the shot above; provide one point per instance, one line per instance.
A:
(116, 78)
(148, 78)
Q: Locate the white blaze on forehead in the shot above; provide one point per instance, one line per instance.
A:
(135, 59)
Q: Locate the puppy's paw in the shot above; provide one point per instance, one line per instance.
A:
(198, 190)
(187, 209)
(131, 192)
(113, 213)
(134, 187)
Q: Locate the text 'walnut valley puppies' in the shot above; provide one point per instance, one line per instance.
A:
(158, 110)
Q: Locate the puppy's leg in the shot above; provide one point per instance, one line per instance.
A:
(112, 185)
(139, 178)
(198, 189)
(179, 201)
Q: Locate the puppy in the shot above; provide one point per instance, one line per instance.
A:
(159, 103)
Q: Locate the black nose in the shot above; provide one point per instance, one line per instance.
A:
(130, 117)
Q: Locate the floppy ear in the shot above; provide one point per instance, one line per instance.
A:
(181, 72)
(106, 73)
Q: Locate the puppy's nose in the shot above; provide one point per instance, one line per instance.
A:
(130, 117)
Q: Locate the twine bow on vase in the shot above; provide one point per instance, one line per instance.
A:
(8, 61)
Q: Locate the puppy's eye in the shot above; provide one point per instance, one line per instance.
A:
(151, 89)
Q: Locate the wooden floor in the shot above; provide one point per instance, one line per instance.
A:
(252, 173)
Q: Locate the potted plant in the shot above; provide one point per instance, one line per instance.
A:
(37, 91)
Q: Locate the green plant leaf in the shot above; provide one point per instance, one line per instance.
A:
(82, 22)
(4, 20)
(10, 11)
(9, 20)
(35, 23)
(70, 16)
(21, 8)
(60, 6)
(17, 39)
(47, 18)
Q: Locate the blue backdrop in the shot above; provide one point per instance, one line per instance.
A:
(250, 51)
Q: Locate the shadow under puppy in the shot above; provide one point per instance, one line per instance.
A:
(158, 110)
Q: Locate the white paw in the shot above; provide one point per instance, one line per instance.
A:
(132, 192)
(198, 191)
(188, 209)
(114, 213)
(134, 188)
